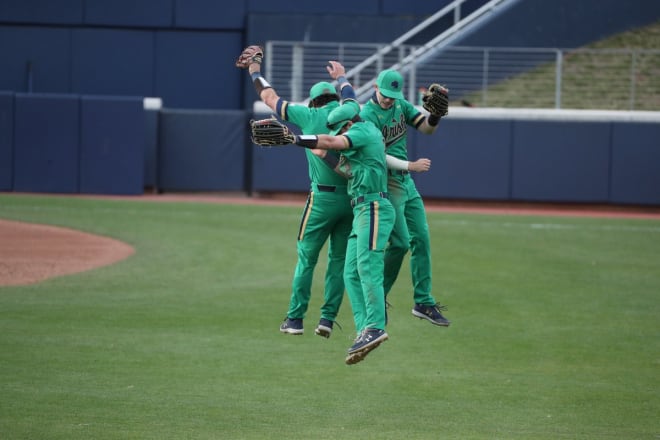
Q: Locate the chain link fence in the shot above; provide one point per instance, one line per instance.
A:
(603, 79)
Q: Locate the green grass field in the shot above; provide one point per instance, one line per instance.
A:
(555, 333)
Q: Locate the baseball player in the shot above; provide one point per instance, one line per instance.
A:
(392, 114)
(363, 160)
(327, 213)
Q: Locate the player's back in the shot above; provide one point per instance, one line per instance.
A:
(366, 157)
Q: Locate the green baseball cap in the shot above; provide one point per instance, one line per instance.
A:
(321, 88)
(390, 84)
(341, 116)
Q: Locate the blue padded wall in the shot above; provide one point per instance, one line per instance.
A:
(112, 145)
(210, 14)
(561, 161)
(6, 140)
(331, 26)
(193, 70)
(46, 143)
(635, 163)
(290, 7)
(49, 51)
(202, 150)
(141, 13)
(279, 169)
(42, 11)
(466, 161)
(113, 62)
(392, 7)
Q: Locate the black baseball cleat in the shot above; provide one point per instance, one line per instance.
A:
(364, 344)
(324, 328)
(431, 314)
(292, 326)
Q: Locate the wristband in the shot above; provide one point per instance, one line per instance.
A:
(433, 120)
(260, 83)
(331, 160)
(346, 89)
(307, 140)
(347, 92)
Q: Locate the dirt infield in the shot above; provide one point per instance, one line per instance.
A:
(31, 253)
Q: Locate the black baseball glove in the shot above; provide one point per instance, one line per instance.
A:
(271, 132)
(436, 100)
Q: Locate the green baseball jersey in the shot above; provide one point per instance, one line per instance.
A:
(312, 121)
(364, 160)
(393, 123)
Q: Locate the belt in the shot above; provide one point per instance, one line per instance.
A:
(360, 199)
(397, 172)
(326, 188)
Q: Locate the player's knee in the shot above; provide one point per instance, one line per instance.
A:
(399, 242)
(420, 242)
(397, 247)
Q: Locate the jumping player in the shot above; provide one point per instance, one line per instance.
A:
(327, 213)
(393, 114)
(363, 160)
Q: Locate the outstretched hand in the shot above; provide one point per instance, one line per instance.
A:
(335, 69)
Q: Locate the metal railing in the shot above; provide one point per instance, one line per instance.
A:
(612, 79)
(420, 53)
(364, 72)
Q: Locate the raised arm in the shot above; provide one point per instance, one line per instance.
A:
(251, 59)
(337, 72)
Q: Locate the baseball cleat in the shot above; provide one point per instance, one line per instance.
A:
(292, 326)
(431, 314)
(324, 328)
(359, 356)
(364, 344)
(368, 338)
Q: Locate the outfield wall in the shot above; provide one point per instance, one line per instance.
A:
(116, 145)
(573, 156)
(53, 143)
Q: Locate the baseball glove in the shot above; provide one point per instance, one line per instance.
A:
(251, 54)
(271, 132)
(436, 100)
